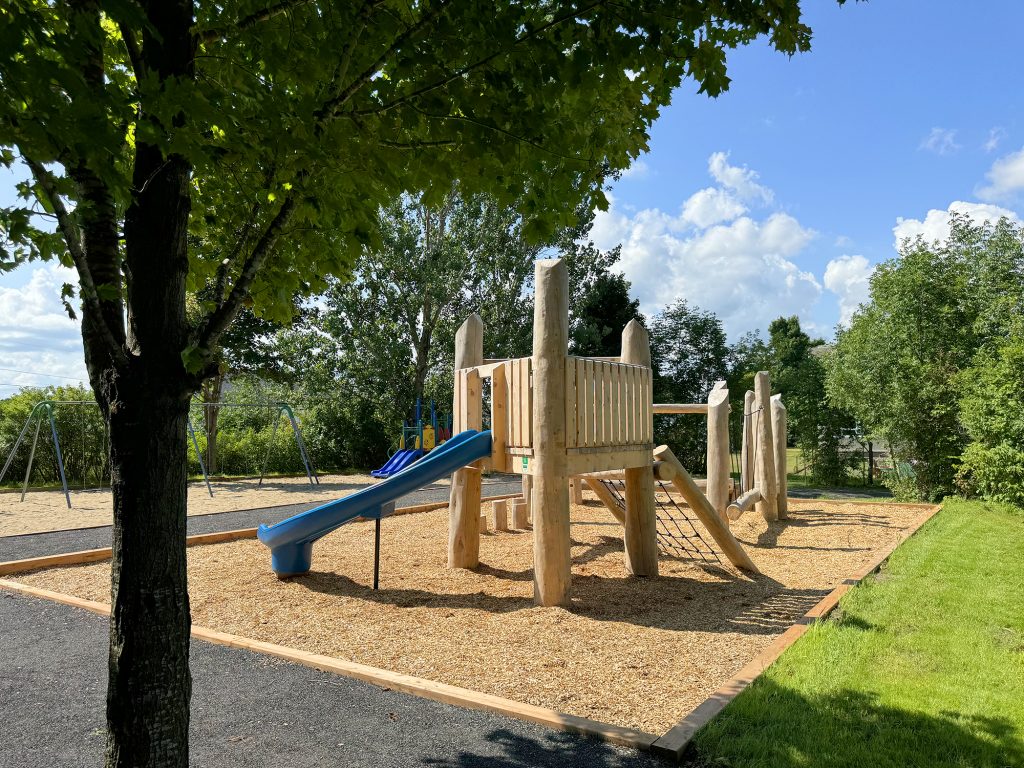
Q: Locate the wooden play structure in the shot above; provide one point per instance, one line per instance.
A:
(559, 419)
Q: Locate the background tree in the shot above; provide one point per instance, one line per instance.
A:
(143, 123)
(898, 366)
(600, 313)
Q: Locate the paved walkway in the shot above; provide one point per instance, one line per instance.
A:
(247, 709)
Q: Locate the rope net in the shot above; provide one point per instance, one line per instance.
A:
(678, 536)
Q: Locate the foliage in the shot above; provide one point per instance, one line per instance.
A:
(897, 367)
(992, 412)
(689, 354)
(600, 313)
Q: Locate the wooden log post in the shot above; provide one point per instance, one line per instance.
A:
(719, 469)
(701, 507)
(464, 505)
(499, 511)
(641, 534)
(743, 504)
(576, 490)
(520, 515)
(780, 434)
(746, 451)
(764, 459)
(550, 498)
(528, 495)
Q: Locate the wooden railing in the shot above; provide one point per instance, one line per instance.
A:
(608, 405)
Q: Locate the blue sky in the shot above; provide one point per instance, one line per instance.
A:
(780, 196)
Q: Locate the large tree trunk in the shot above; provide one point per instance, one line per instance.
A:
(149, 684)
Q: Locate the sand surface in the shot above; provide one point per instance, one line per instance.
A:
(635, 652)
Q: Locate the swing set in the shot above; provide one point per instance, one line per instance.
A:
(43, 412)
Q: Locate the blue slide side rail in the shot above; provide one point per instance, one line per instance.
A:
(291, 540)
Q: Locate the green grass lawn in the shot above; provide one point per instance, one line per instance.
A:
(922, 665)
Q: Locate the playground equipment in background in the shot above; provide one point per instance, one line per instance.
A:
(43, 412)
(417, 439)
(291, 541)
(281, 408)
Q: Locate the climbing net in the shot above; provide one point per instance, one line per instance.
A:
(678, 536)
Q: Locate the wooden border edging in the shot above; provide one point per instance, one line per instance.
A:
(675, 741)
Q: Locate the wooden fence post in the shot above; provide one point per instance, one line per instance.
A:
(641, 535)
(779, 432)
(719, 465)
(464, 505)
(550, 498)
(764, 462)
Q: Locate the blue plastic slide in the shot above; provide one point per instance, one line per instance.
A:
(398, 462)
(291, 540)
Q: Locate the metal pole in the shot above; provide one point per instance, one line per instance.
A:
(17, 444)
(31, 458)
(202, 466)
(310, 471)
(376, 554)
(60, 459)
(270, 446)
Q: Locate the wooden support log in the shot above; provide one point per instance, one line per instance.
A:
(499, 514)
(743, 504)
(705, 512)
(550, 498)
(747, 449)
(464, 506)
(520, 515)
(719, 469)
(605, 497)
(679, 408)
(764, 460)
(641, 535)
(483, 523)
(779, 432)
(576, 490)
(528, 495)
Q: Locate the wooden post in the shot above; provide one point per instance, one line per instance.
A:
(764, 459)
(550, 499)
(780, 434)
(464, 505)
(700, 505)
(747, 453)
(520, 515)
(528, 495)
(499, 510)
(576, 489)
(641, 535)
(483, 523)
(719, 469)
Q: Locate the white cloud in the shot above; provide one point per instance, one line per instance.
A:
(740, 180)
(714, 254)
(935, 225)
(995, 137)
(1005, 178)
(848, 277)
(941, 141)
(36, 334)
(711, 206)
(638, 170)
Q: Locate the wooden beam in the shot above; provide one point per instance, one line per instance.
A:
(499, 513)
(666, 409)
(764, 460)
(464, 506)
(743, 504)
(641, 534)
(779, 432)
(705, 512)
(718, 459)
(747, 449)
(552, 563)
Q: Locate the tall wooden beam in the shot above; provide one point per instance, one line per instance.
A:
(641, 535)
(747, 450)
(764, 460)
(719, 469)
(550, 498)
(779, 432)
(464, 506)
